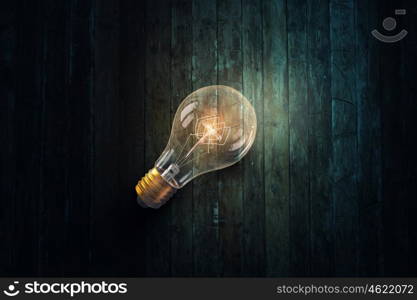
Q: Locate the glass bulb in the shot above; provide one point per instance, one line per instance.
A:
(213, 128)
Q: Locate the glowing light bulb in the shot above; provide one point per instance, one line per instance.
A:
(213, 128)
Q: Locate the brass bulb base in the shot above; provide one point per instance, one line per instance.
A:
(153, 190)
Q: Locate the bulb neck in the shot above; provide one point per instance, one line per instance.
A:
(153, 190)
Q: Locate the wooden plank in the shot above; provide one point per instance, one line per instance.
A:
(206, 256)
(395, 139)
(8, 44)
(229, 53)
(276, 138)
(158, 127)
(79, 81)
(181, 82)
(55, 131)
(28, 139)
(299, 134)
(320, 146)
(409, 111)
(132, 135)
(344, 139)
(105, 213)
(253, 242)
(369, 135)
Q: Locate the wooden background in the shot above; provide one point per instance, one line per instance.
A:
(88, 92)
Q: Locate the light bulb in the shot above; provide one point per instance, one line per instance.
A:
(213, 128)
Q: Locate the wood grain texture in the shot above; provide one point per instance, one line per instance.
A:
(276, 138)
(8, 44)
(30, 80)
(105, 223)
(88, 93)
(55, 132)
(206, 252)
(369, 135)
(394, 166)
(78, 132)
(181, 84)
(229, 51)
(299, 135)
(253, 206)
(132, 135)
(320, 146)
(344, 136)
(410, 166)
(157, 127)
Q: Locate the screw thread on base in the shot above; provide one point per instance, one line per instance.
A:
(153, 191)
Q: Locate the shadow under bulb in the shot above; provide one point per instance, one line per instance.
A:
(213, 128)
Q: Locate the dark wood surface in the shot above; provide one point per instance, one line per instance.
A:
(88, 91)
